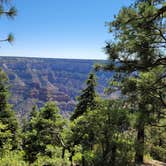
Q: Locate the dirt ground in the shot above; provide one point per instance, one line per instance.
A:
(153, 163)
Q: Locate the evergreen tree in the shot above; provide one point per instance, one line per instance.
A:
(86, 100)
(139, 45)
(44, 129)
(157, 141)
(30, 142)
(102, 135)
(7, 115)
(11, 12)
(144, 93)
(140, 37)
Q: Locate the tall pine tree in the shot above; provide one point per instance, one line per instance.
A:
(138, 45)
(86, 100)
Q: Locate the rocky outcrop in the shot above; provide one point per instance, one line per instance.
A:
(37, 80)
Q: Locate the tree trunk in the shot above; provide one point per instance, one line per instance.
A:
(83, 161)
(71, 158)
(106, 146)
(63, 153)
(140, 142)
(113, 154)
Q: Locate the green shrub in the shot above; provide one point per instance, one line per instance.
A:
(12, 158)
(52, 157)
(159, 153)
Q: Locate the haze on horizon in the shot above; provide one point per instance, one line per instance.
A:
(60, 28)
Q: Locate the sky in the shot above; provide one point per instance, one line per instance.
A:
(60, 28)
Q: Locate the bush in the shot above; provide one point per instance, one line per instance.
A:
(12, 158)
(159, 153)
(52, 157)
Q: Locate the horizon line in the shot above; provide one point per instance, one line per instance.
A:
(37, 57)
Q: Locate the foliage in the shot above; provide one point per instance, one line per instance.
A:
(156, 144)
(55, 158)
(86, 100)
(101, 131)
(139, 32)
(11, 12)
(137, 55)
(43, 129)
(12, 158)
(9, 123)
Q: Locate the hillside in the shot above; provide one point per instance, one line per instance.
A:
(37, 80)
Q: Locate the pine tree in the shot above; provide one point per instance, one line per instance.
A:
(140, 37)
(139, 45)
(7, 115)
(86, 100)
(11, 12)
(144, 95)
(44, 129)
(102, 134)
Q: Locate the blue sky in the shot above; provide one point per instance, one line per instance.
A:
(60, 28)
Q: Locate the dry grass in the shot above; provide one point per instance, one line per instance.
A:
(153, 163)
